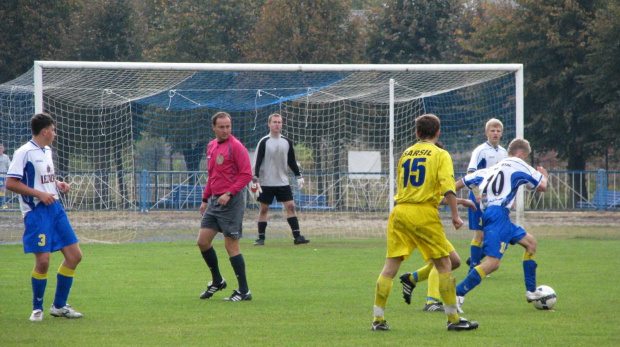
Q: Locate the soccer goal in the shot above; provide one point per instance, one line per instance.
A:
(132, 136)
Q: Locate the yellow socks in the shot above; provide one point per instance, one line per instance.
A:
(447, 289)
(384, 286)
(432, 294)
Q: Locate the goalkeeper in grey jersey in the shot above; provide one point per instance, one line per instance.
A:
(274, 155)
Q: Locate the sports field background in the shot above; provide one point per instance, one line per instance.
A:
(135, 294)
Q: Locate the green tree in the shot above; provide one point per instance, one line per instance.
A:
(602, 75)
(551, 39)
(306, 31)
(31, 30)
(415, 32)
(199, 31)
(104, 30)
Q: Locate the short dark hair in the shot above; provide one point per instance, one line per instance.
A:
(219, 115)
(427, 126)
(40, 121)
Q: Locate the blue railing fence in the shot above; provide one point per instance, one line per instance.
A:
(342, 191)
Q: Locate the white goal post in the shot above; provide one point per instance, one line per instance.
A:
(150, 121)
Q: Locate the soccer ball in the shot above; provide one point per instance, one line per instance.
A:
(547, 302)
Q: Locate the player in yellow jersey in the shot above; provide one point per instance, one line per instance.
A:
(425, 172)
(429, 272)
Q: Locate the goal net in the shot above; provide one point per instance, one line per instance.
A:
(131, 137)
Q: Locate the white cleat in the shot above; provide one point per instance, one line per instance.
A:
(535, 295)
(67, 311)
(36, 316)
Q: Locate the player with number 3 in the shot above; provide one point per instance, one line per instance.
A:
(47, 228)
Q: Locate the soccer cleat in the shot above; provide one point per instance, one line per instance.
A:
(380, 326)
(460, 300)
(259, 242)
(36, 316)
(300, 240)
(435, 306)
(535, 295)
(66, 311)
(463, 324)
(212, 288)
(237, 296)
(408, 286)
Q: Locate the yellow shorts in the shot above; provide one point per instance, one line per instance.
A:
(412, 226)
(450, 247)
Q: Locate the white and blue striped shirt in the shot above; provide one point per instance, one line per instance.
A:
(33, 166)
(499, 184)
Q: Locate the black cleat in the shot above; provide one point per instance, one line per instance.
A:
(212, 288)
(464, 324)
(408, 286)
(259, 242)
(380, 326)
(434, 307)
(237, 296)
(300, 240)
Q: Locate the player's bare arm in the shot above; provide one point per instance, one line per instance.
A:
(16, 186)
(450, 198)
(64, 187)
(466, 203)
(543, 183)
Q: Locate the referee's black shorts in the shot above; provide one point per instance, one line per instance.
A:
(281, 193)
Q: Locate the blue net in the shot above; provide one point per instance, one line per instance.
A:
(236, 92)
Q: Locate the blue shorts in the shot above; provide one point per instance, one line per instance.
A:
(475, 217)
(499, 231)
(47, 229)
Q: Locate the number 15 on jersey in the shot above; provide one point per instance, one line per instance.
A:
(414, 172)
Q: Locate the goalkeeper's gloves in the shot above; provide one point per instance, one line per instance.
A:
(300, 182)
(255, 189)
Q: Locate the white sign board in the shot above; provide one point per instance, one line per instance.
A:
(364, 161)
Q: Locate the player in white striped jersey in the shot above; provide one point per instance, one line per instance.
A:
(498, 186)
(47, 228)
(5, 162)
(484, 156)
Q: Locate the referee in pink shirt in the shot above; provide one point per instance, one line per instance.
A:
(223, 206)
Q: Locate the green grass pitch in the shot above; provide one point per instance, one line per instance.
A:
(320, 294)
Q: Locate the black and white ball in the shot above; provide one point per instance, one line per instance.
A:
(549, 299)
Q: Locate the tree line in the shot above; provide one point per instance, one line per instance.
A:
(568, 47)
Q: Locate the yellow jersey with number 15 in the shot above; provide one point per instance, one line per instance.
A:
(425, 175)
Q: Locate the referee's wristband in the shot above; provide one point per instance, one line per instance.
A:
(205, 200)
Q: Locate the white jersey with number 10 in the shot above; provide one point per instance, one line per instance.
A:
(499, 184)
